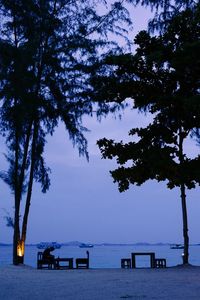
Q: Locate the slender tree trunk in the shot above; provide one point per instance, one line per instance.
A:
(16, 234)
(183, 199)
(185, 225)
(18, 247)
(29, 192)
(25, 155)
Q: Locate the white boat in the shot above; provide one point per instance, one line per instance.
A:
(177, 246)
(83, 245)
(44, 245)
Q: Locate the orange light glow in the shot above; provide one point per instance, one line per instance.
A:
(20, 249)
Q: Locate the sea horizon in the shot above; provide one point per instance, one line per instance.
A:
(107, 256)
(77, 243)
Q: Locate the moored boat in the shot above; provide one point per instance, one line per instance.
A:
(83, 245)
(44, 245)
(177, 246)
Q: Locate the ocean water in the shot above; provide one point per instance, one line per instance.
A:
(108, 256)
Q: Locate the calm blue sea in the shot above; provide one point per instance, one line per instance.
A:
(107, 256)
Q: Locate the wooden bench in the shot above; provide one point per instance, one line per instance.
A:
(44, 263)
(125, 263)
(160, 263)
(83, 263)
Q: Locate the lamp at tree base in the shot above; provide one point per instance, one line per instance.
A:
(20, 252)
(183, 255)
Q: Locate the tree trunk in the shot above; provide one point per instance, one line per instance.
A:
(185, 226)
(16, 233)
(17, 189)
(25, 155)
(29, 192)
(18, 246)
(185, 255)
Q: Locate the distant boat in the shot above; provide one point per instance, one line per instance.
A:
(44, 245)
(83, 245)
(177, 246)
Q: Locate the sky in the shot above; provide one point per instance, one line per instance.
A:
(83, 204)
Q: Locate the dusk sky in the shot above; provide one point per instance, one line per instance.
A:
(83, 203)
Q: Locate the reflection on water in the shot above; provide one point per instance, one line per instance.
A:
(107, 256)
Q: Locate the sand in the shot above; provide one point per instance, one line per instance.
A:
(24, 282)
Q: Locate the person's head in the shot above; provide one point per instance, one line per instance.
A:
(51, 248)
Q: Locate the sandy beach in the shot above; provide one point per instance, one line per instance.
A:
(25, 282)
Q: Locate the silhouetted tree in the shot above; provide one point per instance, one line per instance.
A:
(48, 52)
(162, 78)
(164, 10)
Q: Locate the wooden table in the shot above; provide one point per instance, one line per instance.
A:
(150, 254)
(64, 263)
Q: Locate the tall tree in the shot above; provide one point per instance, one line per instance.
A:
(162, 78)
(48, 52)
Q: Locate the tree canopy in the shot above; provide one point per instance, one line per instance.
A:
(51, 64)
(162, 77)
(48, 53)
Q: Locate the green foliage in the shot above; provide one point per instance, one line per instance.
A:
(164, 10)
(49, 50)
(9, 220)
(163, 79)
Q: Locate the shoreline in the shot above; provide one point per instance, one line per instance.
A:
(24, 282)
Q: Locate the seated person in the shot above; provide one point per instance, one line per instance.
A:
(47, 256)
